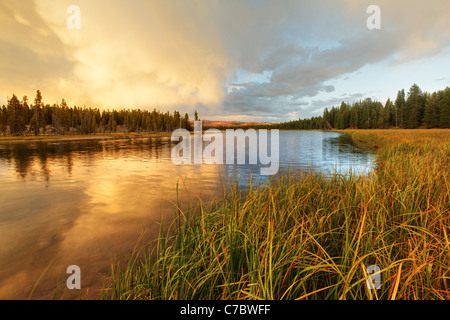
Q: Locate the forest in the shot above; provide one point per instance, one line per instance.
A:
(416, 109)
(22, 118)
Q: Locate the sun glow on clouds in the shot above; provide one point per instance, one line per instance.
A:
(265, 60)
(141, 53)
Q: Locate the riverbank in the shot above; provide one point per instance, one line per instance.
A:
(84, 137)
(308, 236)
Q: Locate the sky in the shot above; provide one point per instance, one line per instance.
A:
(243, 60)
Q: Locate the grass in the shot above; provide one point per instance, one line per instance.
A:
(309, 236)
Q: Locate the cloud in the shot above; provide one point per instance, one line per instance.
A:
(193, 54)
(31, 54)
(303, 69)
(135, 53)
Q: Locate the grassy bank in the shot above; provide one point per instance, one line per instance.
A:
(308, 236)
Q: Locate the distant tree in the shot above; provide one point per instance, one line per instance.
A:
(3, 120)
(64, 116)
(37, 112)
(354, 116)
(444, 107)
(373, 119)
(176, 123)
(414, 107)
(344, 116)
(147, 121)
(102, 125)
(46, 118)
(94, 124)
(26, 110)
(186, 123)
(56, 119)
(86, 122)
(399, 108)
(388, 116)
(16, 116)
(332, 117)
(114, 124)
(432, 110)
(76, 119)
(365, 114)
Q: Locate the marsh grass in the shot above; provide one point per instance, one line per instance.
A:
(305, 235)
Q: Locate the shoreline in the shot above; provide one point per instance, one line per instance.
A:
(83, 137)
(110, 136)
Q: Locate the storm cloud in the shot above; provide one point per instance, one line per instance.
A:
(261, 60)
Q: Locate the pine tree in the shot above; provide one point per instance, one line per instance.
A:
(37, 112)
(388, 114)
(26, 111)
(64, 117)
(354, 116)
(56, 119)
(445, 109)
(86, 122)
(94, 124)
(3, 120)
(16, 116)
(432, 110)
(399, 108)
(414, 107)
(186, 122)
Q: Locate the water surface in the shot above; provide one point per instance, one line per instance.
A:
(86, 202)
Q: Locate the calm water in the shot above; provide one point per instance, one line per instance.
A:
(87, 202)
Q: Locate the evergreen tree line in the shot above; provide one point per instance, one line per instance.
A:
(21, 118)
(414, 110)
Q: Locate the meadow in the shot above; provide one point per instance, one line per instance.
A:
(305, 235)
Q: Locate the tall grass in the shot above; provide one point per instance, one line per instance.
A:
(309, 236)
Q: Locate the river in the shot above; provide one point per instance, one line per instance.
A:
(87, 202)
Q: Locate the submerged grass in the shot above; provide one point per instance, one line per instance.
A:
(309, 236)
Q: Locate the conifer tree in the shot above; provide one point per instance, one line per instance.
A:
(444, 107)
(3, 120)
(399, 108)
(16, 116)
(414, 107)
(37, 112)
(432, 110)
